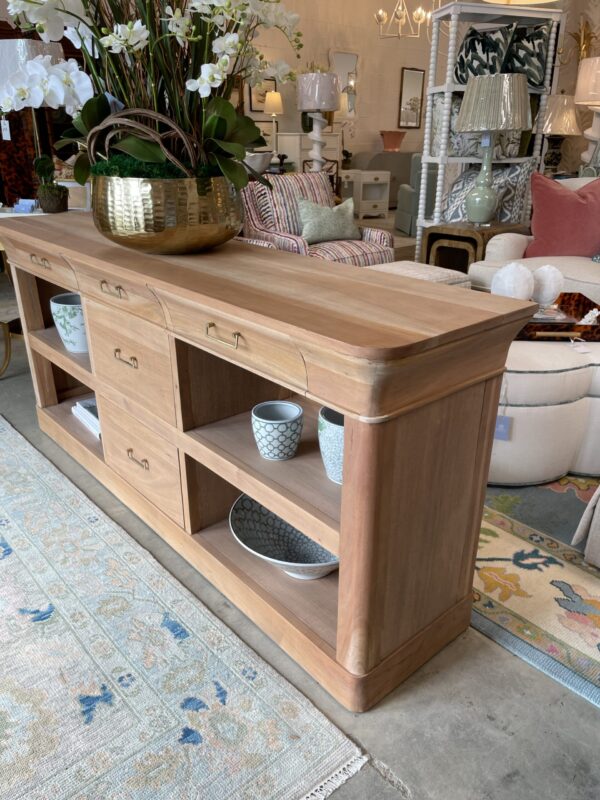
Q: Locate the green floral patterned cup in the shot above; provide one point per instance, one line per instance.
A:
(67, 313)
(331, 442)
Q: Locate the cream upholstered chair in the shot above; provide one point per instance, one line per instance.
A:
(9, 312)
(271, 214)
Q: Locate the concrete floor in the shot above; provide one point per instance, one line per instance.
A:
(475, 723)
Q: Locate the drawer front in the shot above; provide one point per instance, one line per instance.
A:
(122, 294)
(269, 353)
(133, 356)
(143, 458)
(50, 267)
(376, 177)
(370, 206)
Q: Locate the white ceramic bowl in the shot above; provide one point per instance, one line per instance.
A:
(258, 161)
(267, 536)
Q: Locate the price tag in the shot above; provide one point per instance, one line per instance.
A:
(503, 428)
(5, 128)
(580, 347)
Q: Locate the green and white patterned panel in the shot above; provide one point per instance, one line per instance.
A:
(483, 52)
(528, 53)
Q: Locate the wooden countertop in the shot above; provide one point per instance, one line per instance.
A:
(355, 311)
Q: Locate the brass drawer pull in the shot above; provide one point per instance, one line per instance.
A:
(375, 179)
(119, 291)
(39, 262)
(130, 362)
(144, 463)
(236, 336)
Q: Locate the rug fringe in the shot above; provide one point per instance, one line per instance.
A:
(339, 777)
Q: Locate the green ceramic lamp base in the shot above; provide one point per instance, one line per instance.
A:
(482, 201)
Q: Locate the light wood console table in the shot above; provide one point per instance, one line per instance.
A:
(181, 348)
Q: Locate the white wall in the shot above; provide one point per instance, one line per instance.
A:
(348, 25)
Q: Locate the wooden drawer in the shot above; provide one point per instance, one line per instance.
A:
(131, 297)
(260, 350)
(133, 356)
(51, 268)
(371, 176)
(143, 458)
(373, 206)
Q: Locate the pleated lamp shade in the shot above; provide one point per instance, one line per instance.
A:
(495, 103)
(561, 116)
(587, 91)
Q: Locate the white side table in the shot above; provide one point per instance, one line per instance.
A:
(370, 190)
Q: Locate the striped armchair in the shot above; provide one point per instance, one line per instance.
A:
(272, 215)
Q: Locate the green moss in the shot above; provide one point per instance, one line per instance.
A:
(124, 166)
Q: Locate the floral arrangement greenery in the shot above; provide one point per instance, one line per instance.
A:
(52, 196)
(179, 62)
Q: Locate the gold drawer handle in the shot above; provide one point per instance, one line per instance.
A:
(236, 336)
(375, 179)
(130, 362)
(39, 262)
(119, 291)
(144, 463)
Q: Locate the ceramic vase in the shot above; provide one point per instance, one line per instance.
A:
(331, 443)
(277, 428)
(67, 313)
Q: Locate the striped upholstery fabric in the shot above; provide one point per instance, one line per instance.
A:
(272, 216)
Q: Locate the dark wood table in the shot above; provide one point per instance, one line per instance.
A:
(456, 245)
(574, 306)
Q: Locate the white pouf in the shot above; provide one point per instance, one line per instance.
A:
(588, 458)
(545, 393)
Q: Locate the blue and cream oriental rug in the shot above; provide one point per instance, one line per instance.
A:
(117, 684)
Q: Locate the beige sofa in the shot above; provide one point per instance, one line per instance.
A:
(581, 274)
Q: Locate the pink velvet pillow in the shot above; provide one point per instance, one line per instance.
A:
(564, 222)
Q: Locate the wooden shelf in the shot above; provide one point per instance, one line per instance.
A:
(297, 490)
(309, 606)
(49, 345)
(63, 418)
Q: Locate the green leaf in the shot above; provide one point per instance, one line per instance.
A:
(215, 127)
(65, 142)
(79, 126)
(236, 150)
(246, 132)
(94, 111)
(224, 109)
(81, 168)
(141, 149)
(234, 171)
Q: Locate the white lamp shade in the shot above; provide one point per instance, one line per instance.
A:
(587, 91)
(273, 104)
(15, 53)
(561, 116)
(495, 103)
(318, 91)
(520, 2)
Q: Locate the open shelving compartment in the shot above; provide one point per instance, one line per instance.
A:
(221, 461)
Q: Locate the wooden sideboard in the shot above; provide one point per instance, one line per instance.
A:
(414, 366)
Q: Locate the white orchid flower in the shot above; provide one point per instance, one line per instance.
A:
(179, 24)
(76, 84)
(211, 77)
(226, 45)
(129, 38)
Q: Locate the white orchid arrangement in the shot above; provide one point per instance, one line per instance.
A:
(178, 60)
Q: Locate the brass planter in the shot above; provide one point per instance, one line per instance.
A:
(167, 216)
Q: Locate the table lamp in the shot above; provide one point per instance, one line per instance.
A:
(273, 107)
(491, 103)
(317, 92)
(587, 93)
(560, 121)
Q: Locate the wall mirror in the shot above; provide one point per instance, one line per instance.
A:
(412, 82)
(345, 65)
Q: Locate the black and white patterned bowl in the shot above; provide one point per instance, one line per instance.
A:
(267, 536)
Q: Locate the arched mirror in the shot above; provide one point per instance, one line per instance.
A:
(345, 66)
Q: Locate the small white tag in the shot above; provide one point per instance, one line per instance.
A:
(580, 347)
(503, 427)
(5, 127)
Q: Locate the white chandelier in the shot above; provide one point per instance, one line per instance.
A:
(404, 23)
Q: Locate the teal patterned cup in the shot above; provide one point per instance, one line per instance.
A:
(331, 443)
(67, 313)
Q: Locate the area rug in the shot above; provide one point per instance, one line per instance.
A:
(536, 596)
(116, 683)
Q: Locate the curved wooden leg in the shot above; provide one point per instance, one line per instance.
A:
(7, 347)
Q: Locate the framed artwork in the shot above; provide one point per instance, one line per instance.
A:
(258, 92)
(412, 82)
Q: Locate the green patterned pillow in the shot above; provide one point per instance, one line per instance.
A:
(324, 224)
(528, 53)
(482, 52)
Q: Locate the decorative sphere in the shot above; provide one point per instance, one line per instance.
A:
(548, 282)
(513, 280)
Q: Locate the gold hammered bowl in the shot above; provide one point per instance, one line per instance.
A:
(166, 216)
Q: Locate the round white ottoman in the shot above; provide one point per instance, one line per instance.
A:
(587, 461)
(544, 392)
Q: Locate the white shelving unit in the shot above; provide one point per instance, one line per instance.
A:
(453, 14)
